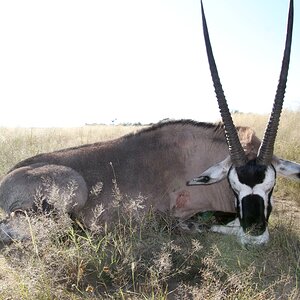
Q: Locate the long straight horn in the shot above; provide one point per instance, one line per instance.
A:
(236, 150)
(265, 153)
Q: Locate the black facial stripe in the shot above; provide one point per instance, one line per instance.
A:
(274, 170)
(251, 174)
(235, 195)
(237, 203)
(253, 219)
(269, 208)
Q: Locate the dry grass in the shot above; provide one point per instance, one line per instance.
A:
(142, 257)
(19, 143)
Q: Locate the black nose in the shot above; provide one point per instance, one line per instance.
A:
(253, 220)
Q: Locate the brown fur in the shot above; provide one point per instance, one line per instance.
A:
(155, 162)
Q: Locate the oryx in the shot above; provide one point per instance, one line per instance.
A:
(251, 180)
(157, 162)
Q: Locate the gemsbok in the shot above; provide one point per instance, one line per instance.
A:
(159, 163)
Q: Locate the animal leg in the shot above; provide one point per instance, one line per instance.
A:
(232, 228)
(50, 186)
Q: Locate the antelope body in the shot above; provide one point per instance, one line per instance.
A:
(160, 162)
(155, 162)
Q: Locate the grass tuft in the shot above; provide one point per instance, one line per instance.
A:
(142, 256)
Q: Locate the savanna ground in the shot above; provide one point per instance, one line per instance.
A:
(143, 257)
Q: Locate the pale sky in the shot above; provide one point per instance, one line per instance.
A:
(67, 63)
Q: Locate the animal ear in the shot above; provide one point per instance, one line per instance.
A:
(286, 168)
(213, 174)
